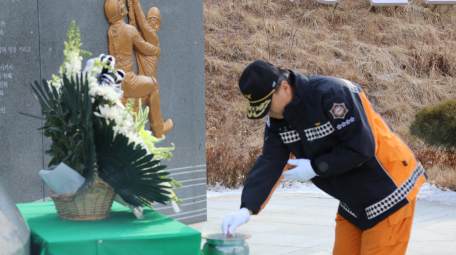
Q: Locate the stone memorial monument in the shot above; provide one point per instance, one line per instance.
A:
(31, 48)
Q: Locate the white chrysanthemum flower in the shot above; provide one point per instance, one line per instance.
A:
(128, 124)
(108, 112)
(122, 129)
(112, 95)
(133, 138)
(106, 91)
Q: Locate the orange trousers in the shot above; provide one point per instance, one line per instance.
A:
(389, 237)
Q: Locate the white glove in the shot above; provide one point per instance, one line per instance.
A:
(234, 220)
(302, 172)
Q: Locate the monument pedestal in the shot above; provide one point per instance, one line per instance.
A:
(122, 233)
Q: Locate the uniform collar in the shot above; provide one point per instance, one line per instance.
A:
(300, 94)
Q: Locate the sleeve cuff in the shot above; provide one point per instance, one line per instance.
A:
(254, 212)
(314, 167)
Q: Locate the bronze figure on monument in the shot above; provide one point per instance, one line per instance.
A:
(139, 35)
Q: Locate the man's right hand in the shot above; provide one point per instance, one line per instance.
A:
(234, 220)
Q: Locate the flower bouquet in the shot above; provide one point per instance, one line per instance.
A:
(99, 138)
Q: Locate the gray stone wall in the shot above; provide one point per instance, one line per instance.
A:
(37, 29)
(21, 146)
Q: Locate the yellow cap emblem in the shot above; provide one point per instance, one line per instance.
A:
(248, 96)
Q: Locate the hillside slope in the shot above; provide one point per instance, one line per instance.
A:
(403, 58)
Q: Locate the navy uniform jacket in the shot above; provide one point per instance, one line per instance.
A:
(358, 158)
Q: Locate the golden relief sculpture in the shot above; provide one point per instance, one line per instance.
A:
(139, 35)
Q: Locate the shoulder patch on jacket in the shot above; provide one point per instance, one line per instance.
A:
(339, 110)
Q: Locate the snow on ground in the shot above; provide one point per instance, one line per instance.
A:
(427, 192)
(285, 186)
(431, 193)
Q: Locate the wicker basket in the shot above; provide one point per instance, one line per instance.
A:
(94, 205)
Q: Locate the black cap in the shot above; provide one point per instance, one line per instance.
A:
(257, 83)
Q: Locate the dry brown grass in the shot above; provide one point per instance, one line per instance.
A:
(404, 58)
(440, 166)
(442, 176)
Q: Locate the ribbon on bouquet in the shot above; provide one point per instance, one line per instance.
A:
(108, 76)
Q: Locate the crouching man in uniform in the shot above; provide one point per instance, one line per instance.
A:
(340, 143)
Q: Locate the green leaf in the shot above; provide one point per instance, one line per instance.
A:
(128, 169)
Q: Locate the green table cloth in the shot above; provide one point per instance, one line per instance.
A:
(122, 233)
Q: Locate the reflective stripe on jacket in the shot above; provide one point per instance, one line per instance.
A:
(357, 156)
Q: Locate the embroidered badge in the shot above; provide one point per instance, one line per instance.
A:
(256, 111)
(317, 124)
(339, 110)
(345, 123)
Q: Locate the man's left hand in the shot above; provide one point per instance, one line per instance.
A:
(302, 172)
